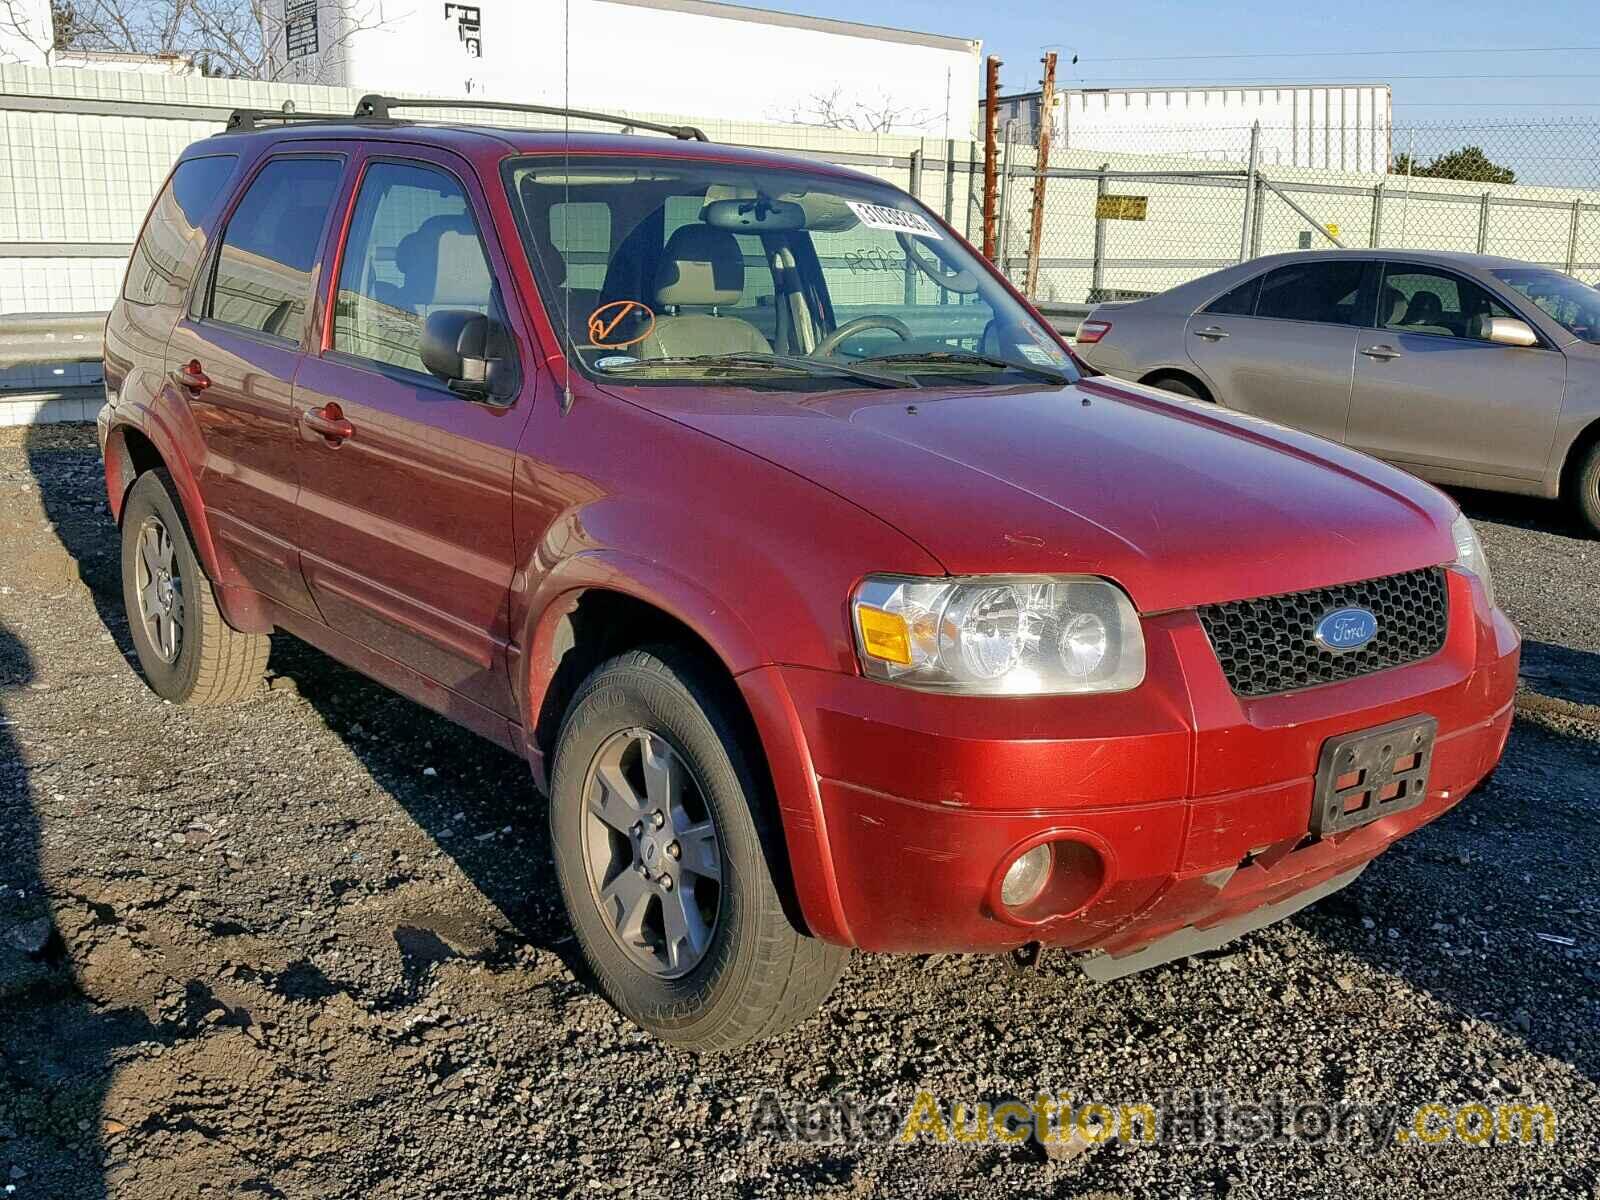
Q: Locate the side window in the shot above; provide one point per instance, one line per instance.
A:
(160, 270)
(1326, 292)
(413, 250)
(263, 274)
(1419, 300)
(1239, 302)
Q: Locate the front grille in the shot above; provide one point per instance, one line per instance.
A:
(1266, 645)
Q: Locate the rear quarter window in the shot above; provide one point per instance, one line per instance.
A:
(165, 258)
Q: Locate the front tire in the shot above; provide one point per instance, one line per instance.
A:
(1586, 489)
(661, 837)
(188, 653)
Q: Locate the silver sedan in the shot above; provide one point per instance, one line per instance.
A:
(1465, 369)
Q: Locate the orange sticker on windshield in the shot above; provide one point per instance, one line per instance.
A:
(605, 320)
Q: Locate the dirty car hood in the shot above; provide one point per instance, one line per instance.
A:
(1180, 502)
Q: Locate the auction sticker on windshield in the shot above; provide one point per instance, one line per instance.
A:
(896, 220)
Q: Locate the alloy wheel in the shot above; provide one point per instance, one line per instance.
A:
(652, 854)
(160, 589)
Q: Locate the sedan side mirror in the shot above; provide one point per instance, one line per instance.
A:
(1509, 331)
(470, 352)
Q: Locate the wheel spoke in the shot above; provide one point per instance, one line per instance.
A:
(148, 552)
(148, 603)
(613, 799)
(686, 930)
(625, 901)
(165, 547)
(660, 772)
(699, 855)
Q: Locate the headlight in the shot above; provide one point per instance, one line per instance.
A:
(1002, 636)
(1469, 554)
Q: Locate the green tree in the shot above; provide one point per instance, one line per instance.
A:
(1469, 163)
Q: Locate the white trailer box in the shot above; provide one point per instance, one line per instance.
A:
(1338, 127)
(684, 57)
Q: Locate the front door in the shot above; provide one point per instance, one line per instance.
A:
(405, 486)
(1433, 394)
(234, 357)
(1283, 347)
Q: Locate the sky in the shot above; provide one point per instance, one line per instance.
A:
(1448, 62)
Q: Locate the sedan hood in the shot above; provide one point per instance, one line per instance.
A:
(1180, 502)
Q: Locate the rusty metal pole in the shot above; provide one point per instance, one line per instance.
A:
(991, 153)
(1047, 120)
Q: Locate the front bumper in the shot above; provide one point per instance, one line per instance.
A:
(902, 808)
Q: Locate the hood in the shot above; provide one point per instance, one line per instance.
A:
(1180, 502)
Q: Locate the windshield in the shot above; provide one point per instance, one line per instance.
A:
(1573, 305)
(721, 274)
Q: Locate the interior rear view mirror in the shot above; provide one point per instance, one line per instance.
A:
(470, 352)
(755, 215)
(1509, 331)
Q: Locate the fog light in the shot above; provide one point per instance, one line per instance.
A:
(1026, 877)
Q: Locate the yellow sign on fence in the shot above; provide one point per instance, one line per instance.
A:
(1120, 208)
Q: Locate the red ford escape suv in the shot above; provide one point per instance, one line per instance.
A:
(831, 603)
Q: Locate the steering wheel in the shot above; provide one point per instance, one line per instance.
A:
(962, 281)
(849, 329)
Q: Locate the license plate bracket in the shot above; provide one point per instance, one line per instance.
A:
(1372, 773)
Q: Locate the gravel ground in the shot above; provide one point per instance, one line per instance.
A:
(311, 947)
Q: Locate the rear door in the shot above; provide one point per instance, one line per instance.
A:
(405, 519)
(1282, 345)
(1433, 394)
(234, 355)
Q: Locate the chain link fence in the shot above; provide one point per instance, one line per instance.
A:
(1136, 211)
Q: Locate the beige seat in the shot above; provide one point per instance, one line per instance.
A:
(701, 267)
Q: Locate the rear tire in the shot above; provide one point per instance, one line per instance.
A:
(746, 972)
(188, 653)
(1586, 489)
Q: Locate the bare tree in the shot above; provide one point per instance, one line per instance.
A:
(836, 110)
(20, 23)
(244, 39)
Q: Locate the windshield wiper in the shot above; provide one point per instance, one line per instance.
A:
(965, 358)
(786, 362)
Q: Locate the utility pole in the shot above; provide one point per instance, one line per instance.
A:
(991, 153)
(1047, 119)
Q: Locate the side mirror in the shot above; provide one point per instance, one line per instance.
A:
(470, 352)
(1509, 331)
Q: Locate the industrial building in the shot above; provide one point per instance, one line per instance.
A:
(690, 57)
(1337, 127)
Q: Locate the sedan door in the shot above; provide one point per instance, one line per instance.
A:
(405, 486)
(1432, 394)
(1282, 345)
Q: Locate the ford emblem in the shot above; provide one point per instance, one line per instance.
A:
(1345, 629)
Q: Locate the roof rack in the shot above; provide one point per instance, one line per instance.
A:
(242, 120)
(379, 108)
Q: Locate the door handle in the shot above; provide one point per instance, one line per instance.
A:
(1211, 333)
(329, 421)
(191, 376)
(1381, 353)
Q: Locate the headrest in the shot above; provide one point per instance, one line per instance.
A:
(1425, 309)
(417, 254)
(463, 276)
(1393, 307)
(700, 266)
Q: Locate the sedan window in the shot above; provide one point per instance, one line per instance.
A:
(1326, 292)
(1419, 300)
